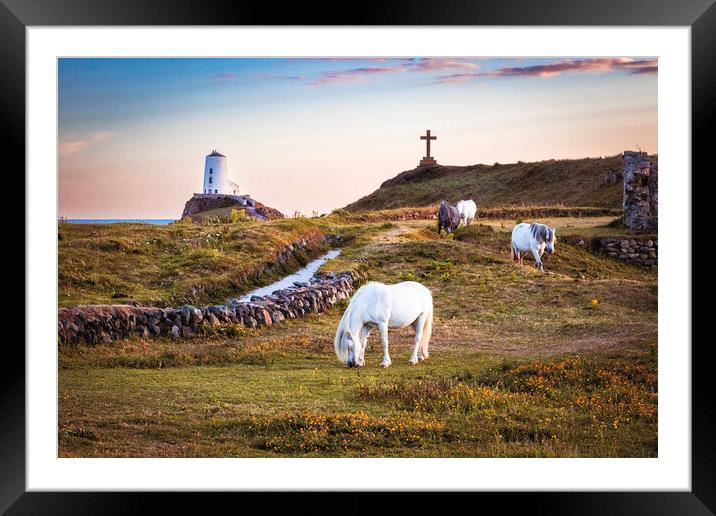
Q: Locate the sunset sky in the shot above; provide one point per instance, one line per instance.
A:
(317, 134)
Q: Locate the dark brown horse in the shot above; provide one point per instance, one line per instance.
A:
(448, 217)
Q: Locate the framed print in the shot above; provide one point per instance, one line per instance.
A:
(419, 252)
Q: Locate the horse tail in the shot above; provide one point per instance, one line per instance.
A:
(427, 329)
(341, 350)
(513, 255)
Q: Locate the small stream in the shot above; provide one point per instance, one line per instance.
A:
(303, 275)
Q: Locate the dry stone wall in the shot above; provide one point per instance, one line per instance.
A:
(639, 251)
(522, 213)
(95, 324)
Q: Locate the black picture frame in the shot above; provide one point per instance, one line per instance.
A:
(17, 15)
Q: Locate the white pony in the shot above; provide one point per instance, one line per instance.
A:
(376, 305)
(532, 237)
(467, 210)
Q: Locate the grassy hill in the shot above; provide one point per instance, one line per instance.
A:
(578, 182)
(178, 263)
(186, 262)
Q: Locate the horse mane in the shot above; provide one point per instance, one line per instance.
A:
(541, 231)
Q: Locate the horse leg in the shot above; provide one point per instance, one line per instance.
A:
(541, 252)
(427, 332)
(364, 332)
(418, 325)
(517, 255)
(383, 329)
(538, 261)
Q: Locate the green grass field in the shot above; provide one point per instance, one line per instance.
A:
(561, 364)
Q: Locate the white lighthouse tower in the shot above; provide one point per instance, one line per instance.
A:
(216, 176)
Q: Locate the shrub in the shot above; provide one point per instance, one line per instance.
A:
(237, 216)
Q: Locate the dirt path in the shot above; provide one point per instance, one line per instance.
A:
(398, 234)
(393, 235)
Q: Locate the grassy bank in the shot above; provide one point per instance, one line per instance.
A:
(521, 364)
(182, 262)
(579, 182)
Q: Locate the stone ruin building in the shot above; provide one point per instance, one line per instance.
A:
(640, 201)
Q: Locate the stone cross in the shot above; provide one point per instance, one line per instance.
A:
(427, 137)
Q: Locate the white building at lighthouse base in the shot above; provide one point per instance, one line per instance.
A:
(217, 182)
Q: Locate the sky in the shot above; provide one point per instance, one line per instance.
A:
(314, 134)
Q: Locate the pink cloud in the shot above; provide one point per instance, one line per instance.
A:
(410, 65)
(340, 59)
(645, 70)
(268, 76)
(72, 146)
(432, 64)
(632, 66)
(223, 78)
(76, 144)
(354, 74)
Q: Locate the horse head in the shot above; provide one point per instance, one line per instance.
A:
(544, 234)
(348, 350)
(550, 239)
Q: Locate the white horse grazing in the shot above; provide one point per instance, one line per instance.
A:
(376, 305)
(467, 210)
(532, 237)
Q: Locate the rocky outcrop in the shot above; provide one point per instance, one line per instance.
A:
(200, 203)
(267, 212)
(96, 324)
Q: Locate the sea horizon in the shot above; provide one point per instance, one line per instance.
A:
(159, 222)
